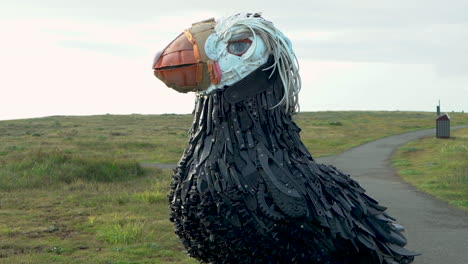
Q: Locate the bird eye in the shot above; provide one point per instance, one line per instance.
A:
(239, 47)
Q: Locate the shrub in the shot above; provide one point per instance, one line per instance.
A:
(126, 233)
(48, 168)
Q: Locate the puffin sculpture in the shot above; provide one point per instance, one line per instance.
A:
(247, 190)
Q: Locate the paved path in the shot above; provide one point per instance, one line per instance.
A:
(435, 229)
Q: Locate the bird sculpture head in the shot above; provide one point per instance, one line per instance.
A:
(216, 54)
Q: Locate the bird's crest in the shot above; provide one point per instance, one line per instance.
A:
(278, 45)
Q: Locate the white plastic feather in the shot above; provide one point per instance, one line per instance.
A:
(277, 45)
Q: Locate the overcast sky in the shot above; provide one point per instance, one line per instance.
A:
(94, 57)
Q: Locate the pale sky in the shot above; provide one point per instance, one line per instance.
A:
(80, 57)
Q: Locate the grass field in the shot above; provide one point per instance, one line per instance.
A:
(161, 138)
(124, 221)
(437, 166)
(72, 189)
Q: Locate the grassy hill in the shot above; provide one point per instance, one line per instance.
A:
(161, 138)
(437, 166)
(72, 189)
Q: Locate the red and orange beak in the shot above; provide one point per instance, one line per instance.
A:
(183, 65)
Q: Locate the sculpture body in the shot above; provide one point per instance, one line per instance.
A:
(247, 190)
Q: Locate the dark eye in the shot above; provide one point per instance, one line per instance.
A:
(239, 47)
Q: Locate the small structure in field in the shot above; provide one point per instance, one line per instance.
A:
(443, 126)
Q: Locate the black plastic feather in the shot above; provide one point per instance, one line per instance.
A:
(248, 191)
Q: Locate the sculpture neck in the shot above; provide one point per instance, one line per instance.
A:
(224, 124)
(251, 104)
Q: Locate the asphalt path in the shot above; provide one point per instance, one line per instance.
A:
(434, 228)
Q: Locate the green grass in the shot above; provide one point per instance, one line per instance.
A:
(162, 138)
(89, 221)
(72, 189)
(437, 166)
(330, 133)
(122, 233)
(39, 168)
(156, 138)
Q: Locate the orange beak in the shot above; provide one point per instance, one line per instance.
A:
(183, 64)
(176, 65)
